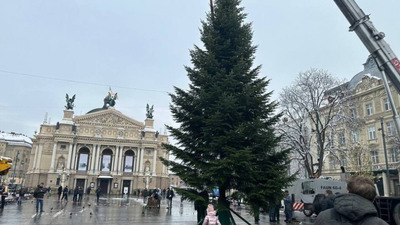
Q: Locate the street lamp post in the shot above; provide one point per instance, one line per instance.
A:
(15, 167)
(386, 160)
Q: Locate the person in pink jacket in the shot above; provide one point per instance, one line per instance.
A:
(211, 218)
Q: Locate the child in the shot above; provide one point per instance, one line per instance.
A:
(211, 218)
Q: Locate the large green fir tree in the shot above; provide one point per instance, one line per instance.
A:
(225, 137)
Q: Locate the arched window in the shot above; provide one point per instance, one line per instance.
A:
(128, 162)
(83, 159)
(106, 160)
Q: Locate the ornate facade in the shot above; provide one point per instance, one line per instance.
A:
(359, 146)
(101, 148)
(17, 147)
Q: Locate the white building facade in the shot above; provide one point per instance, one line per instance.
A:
(102, 148)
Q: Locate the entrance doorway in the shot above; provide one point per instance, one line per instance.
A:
(104, 186)
(126, 184)
(80, 183)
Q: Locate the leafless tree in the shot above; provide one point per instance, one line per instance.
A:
(308, 108)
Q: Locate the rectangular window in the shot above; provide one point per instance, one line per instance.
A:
(63, 147)
(342, 139)
(371, 133)
(394, 155)
(106, 164)
(128, 163)
(343, 160)
(387, 104)
(369, 109)
(390, 128)
(374, 157)
(332, 163)
(353, 113)
(355, 136)
(83, 159)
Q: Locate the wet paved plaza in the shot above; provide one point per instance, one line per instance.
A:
(110, 210)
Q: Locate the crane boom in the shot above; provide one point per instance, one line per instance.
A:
(373, 40)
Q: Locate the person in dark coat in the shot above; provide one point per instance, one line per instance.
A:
(327, 202)
(288, 207)
(80, 193)
(98, 192)
(39, 194)
(76, 191)
(3, 195)
(65, 193)
(88, 190)
(59, 191)
(145, 193)
(200, 205)
(355, 207)
(170, 195)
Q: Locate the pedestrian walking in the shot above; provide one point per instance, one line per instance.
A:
(355, 207)
(48, 192)
(327, 202)
(75, 198)
(21, 194)
(278, 206)
(200, 205)
(288, 207)
(145, 193)
(59, 191)
(211, 218)
(65, 193)
(88, 190)
(170, 195)
(3, 194)
(80, 193)
(39, 194)
(98, 192)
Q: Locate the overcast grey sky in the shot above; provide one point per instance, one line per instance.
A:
(139, 48)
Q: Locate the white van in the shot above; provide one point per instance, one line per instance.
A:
(305, 191)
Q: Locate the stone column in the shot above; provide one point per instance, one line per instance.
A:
(97, 158)
(93, 157)
(141, 160)
(69, 156)
(115, 159)
(35, 157)
(154, 161)
(39, 157)
(53, 157)
(121, 150)
(137, 161)
(74, 156)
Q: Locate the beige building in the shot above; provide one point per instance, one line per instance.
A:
(18, 148)
(101, 148)
(359, 147)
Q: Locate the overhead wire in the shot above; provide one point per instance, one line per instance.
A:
(79, 82)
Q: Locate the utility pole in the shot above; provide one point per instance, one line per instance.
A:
(15, 168)
(386, 160)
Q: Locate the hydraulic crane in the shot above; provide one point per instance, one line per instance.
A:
(389, 65)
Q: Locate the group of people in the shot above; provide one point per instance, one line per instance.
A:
(354, 207)
(157, 195)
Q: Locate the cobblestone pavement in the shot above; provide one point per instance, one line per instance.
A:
(112, 210)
